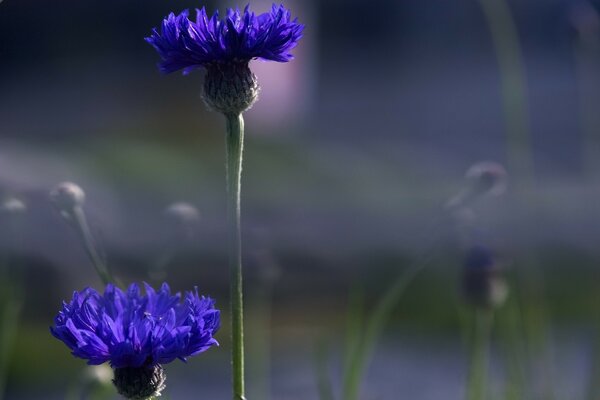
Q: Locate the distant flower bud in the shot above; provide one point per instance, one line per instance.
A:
(183, 213)
(230, 87)
(100, 374)
(140, 383)
(67, 196)
(483, 282)
(487, 177)
(484, 178)
(12, 205)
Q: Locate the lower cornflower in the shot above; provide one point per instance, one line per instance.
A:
(137, 333)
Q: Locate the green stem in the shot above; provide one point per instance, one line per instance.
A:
(375, 325)
(359, 359)
(324, 386)
(477, 387)
(259, 350)
(505, 36)
(354, 340)
(593, 389)
(9, 318)
(88, 242)
(11, 296)
(235, 147)
(513, 348)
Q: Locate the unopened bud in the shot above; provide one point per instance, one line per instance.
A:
(67, 196)
(487, 178)
(484, 178)
(12, 205)
(183, 213)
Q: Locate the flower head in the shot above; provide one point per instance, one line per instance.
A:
(483, 281)
(239, 37)
(132, 330)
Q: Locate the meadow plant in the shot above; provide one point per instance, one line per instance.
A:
(483, 284)
(485, 289)
(135, 333)
(481, 179)
(224, 48)
(520, 161)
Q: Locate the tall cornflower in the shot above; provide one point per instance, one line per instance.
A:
(224, 47)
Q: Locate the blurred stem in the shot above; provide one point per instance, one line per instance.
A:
(235, 147)
(11, 295)
(510, 330)
(354, 339)
(259, 349)
(85, 234)
(86, 388)
(505, 37)
(593, 390)
(324, 386)
(587, 62)
(9, 319)
(480, 349)
(375, 324)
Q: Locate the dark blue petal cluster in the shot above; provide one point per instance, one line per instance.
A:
(479, 257)
(185, 44)
(131, 329)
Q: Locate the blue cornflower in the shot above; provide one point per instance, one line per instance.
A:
(136, 333)
(185, 44)
(225, 47)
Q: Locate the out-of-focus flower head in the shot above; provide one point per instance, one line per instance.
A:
(483, 281)
(486, 178)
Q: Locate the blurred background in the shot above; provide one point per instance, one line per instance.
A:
(352, 153)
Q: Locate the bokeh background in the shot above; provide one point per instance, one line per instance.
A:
(351, 154)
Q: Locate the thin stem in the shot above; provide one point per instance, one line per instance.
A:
(508, 52)
(593, 389)
(477, 389)
(324, 386)
(587, 62)
(505, 36)
(354, 340)
(11, 296)
(375, 325)
(235, 147)
(514, 349)
(83, 229)
(9, 318)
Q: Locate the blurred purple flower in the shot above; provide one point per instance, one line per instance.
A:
(483, 281)
(239, 37)
(129, 329)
